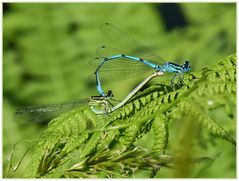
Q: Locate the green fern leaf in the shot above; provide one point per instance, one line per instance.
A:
(90, 135)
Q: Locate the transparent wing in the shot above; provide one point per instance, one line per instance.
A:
(125, 42)
(121, 69)
(120, 76)
(119, 63)
(44, 113)
(106, 51)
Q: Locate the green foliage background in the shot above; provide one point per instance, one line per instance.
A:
(47, 48)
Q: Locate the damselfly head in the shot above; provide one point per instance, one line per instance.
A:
(186, 66)
(109, 93)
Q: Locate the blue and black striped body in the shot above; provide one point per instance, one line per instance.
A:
(167, 67)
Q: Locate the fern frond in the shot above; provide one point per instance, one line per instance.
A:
(188, 107)
(160, 128)
(99, 141)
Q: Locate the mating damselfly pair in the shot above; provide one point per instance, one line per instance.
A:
(129, 57)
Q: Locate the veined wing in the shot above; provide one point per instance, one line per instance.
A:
(44, 113)
(107, 51)
(121, 76)
(121, 69)
(117, 63)
(125, 42)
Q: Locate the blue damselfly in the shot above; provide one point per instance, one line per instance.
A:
(130, 57)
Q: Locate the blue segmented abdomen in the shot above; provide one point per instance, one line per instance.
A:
(154, 66)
